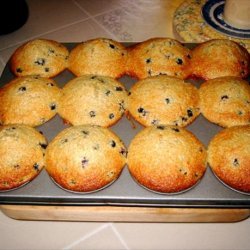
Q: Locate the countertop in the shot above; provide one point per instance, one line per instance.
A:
(128, 21)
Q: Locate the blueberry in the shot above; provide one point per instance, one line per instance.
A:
(107, 93)
(111, 116)
(160, 127)
(149, 72)
(22, 88)
(36, 167)
(40, 61)
(124, 152)
(84, 162)
(53, 106)
(85, 132)
(129, 93)
(118, 88)
(92, 114)
(43, 145)
(112, 46)
(236, 162)
(224, 97)
(167, 100)
(189, 113)
(184, 119)
(179, 61)
(176, 129)
(112, 143)
(154, 122)
(148, 60)
(16, 166)
(50, 84)
(93, 77)
(142, 111)
(46, 69)
(19, 70)
(64, 140)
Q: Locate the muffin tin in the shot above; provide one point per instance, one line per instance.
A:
(125, 191)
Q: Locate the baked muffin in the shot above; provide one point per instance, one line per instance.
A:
(29, 100)
(163, 100)
(40, 57)
(85, 158)
(92, 99)
(226, 101)
(166, 159)
(219, 57)
(158, 56)
(22, 155)
(99, 56)
(229, 157)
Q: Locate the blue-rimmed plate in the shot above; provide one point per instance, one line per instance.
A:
(212, 12)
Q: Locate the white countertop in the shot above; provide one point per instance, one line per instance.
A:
(122, 20)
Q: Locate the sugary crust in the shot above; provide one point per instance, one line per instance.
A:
(22, 151)
(226, 101)
(219, 57)
(163, 100)
(45, 58)
(99, 56)
(29, 100)
(166, 159)
(158, 56)
(229, 157)
(92, 99)
(85, 158)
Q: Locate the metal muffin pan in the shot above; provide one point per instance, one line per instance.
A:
(125, 191)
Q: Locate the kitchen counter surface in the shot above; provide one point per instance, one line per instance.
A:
(127, 21)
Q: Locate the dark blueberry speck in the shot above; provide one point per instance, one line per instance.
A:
(184, 119)
(189, 113)
(224, 97)
(112, 46)
(17, 166)
(93, 77)
(43, 145)
(53, 106)
(124, 152)
(84, 162)
(40, 61)
(22, 89)
(118, 88)
(179, 61)
(19, 70)
(36, 167)
(111, 116)
(107, 93)
(236, 162)
(176, 129)
(160, 127)
(112, 143)
(167, 100)
(50, 84)
(92, 113)
(148, 60)
(46, 69)
(85, 132)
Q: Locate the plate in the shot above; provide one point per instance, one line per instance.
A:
(212, 12)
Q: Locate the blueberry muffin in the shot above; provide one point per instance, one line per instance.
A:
(163, 100)
(229, 157)
(219, 57)
(166, 159)
(226, 101)
(158, 56)
(29, 100)
(99, 56)
(92, 99)
(22, 155)
(85, 158)
(45, 58)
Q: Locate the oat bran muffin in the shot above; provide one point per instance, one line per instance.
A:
(101, 56)
(226, 101)
(29, 100)
(219, 57)
(158, 56)
(85, 158)
(229, 157)
(92, 99)
(166, 159)
(163, 100)
(22, 155)
(40, 57)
